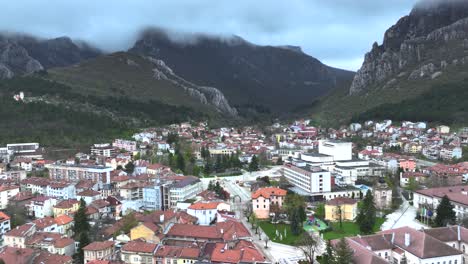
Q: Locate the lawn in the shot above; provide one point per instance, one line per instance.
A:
(270, 231)
(349, 229)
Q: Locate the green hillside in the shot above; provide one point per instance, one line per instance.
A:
(408, 101)
(55, 114)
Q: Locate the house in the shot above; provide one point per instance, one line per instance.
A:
(148, 231)
(66, 207)
(138, 252)
(52, 242)
(6, 193)
(241, 252)
(61, 190)
(64, 224)
(49, 258)
(5, 225)
(206, 211)
(265, 199)
(454, 236)
(185, 189)
(406, 176)
(17, 236)
(46, 224)
(443, 129)
(17, 255)
(177, 254)
(98, 251)
(41, 206)
(220, 232)
(408, 164)
(343, 207)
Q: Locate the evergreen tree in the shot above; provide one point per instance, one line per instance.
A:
(129, 167)
(279, 161)
(328, 257)
(295, 222)
(253, 166)
(343, 253)
(444, 213)
(83, 242)
(81, 220)
(366, 217)
(218, 167)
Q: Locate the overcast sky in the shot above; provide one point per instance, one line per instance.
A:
(338, 32)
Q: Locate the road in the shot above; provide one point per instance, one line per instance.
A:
(424, 163)
(276, 252)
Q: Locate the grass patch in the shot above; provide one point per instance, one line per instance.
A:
(349, 229)
(270, 231)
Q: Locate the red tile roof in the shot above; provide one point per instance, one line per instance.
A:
(63, 219)
(340, 201)
(269, 191)
(95, 246)
(48, 258)
(16, 255)
(139, 246)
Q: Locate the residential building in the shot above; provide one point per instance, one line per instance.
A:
(5, 226)
(408, 164)
(75, 173)
(156, 197)
(264, 198)
(98, 251)
(61, 190)
(41, 206)
(343, 207)
(105, 150)
(6, 193)
(66, 207)
(206, 211)
(148, 231)
(127, 145)
(138, 252)
(17, 236)
(23, 147)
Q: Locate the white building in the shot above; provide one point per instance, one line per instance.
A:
(184, 190)
(6, 192)
(430, 199)
(337, 149)
(391, 246)
(105, 150)
(61, 190)
(155, 196)
(41, 206)
(308, 179)
(348, 172)
(206, 211)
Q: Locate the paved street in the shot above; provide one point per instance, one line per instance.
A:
(404, 216)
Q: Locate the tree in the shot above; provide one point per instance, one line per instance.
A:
(340, 216)
(343, 253)
(320, 210)
(366, 217)
(361, 195)
(412, 186)
(266, 239)
(328, 257)
(130, 167)
(296, 221)
(352, 195)
(254, 221)
(444, 213)
(17, 214)
(81, 220)
(180, 162)
(83, 242)
(248, 211)
(309, 245)
(253, 165)
(279, 161)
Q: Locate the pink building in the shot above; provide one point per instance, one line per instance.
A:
(264, 198)
(407, 164)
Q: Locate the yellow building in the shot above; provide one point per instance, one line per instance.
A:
(147, 231)
(347, 206)
(66, 207)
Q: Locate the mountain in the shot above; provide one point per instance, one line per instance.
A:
(22, 54)
(274, 78)
(427, 48)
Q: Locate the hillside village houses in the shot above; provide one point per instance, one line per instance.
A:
(178, 221)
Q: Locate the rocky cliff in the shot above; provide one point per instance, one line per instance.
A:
(419, 46)
(20, 55)
(276, 78)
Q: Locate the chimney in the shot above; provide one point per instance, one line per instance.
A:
(393, 238)
(161, 218)
(458, 233)
(407, 239)
(222, 231)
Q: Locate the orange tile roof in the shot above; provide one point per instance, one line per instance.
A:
(204, 206)
(3, 217)
(63, 219)
(269, 191)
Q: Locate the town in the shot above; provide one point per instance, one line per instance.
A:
(375, 192)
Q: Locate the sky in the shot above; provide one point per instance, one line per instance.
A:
(337, 32)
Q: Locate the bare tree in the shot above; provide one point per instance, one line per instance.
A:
(309, 245)
(266, 238)
(248, 211)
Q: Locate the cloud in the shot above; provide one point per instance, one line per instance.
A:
(332, 30)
